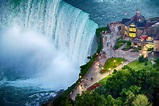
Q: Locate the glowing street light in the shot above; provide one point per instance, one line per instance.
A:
(109, 70)
(122, 63)
(114, 63)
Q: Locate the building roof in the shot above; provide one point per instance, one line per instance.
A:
(138, 20)
(124, 20)
(150, 23)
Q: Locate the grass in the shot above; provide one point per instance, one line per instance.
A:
(112, 63)
(127, 47)
(139, 65)
(119, 42)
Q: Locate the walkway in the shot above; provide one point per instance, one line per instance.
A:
(94, 74)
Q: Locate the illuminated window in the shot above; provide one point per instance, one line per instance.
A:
(132, 34)
(132, 29)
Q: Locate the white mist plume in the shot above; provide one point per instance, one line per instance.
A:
(34, 59)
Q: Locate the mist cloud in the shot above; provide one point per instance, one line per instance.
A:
(33, 59)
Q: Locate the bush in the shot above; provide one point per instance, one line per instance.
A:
(145, 63)
(150, 49)
(119, 43)
(142, 59)
(129, 43)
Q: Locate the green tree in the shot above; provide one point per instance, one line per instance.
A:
(141, 100)
(90, 99)
(142, 59)
(157, 63)
(129, 43)
(110, 101)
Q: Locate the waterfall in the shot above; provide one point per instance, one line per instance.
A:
(70, 28)
(42, 41)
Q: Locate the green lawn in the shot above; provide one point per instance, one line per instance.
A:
(138, 65)
(119, 43)
(112, 63)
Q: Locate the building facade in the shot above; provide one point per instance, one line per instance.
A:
(156, 44)
(135, 26)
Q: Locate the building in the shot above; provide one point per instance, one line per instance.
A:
(156, 44)
(135, 26)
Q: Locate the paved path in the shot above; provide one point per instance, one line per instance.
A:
(94, 75)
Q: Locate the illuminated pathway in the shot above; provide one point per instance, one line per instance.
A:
(94, 75)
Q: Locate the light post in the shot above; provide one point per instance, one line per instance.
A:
(114, 63)
(109, 70)
(122, 63)
(102, 68)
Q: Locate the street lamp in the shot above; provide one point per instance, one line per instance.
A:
(122, 63)
(114, 63)
(109, 70)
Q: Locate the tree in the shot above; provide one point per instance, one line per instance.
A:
(129, 94)
(90, 99)
(157, 63)
(142, 59)
(110, 101)
(66, 102)
(141, 100)
(129, 43)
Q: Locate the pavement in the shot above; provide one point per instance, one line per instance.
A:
(94, 75)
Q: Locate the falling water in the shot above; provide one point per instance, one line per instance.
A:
(42, 45)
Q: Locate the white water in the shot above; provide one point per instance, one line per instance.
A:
(43, 42)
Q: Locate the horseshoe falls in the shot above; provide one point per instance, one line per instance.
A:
(42, 45)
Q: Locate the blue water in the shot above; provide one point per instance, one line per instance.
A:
(106, 11)
(23, 96)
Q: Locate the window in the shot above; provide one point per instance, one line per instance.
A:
(132, 34)
(132, 29)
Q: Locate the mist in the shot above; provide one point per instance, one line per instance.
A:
(29, 58)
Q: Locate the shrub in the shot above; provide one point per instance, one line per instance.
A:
(145, 63)
(142, 59)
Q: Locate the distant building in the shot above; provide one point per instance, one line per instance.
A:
(156, 44)
(135, 26)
